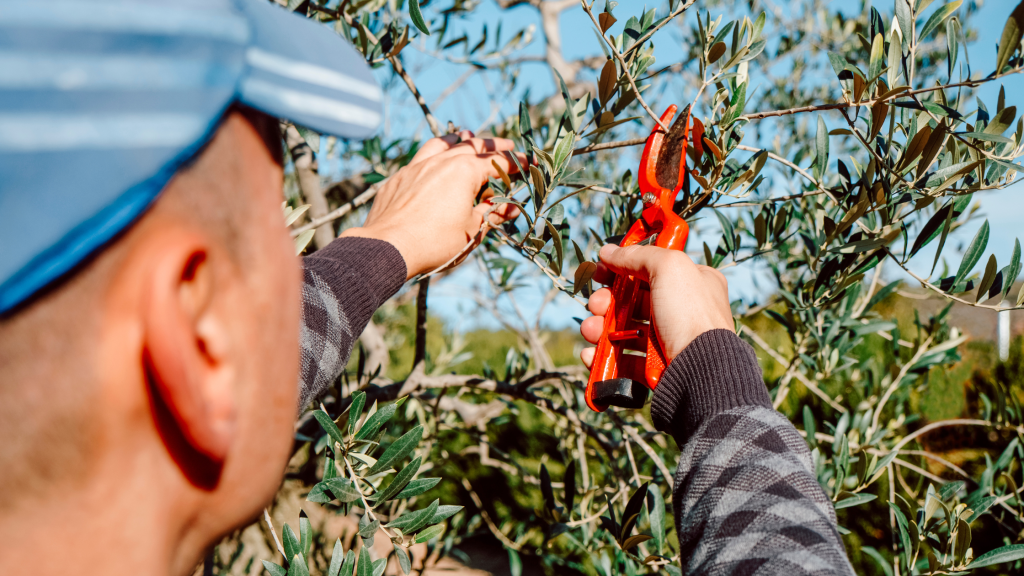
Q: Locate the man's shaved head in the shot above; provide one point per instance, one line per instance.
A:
(50, 383)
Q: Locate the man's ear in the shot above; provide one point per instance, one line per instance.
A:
(187, 343)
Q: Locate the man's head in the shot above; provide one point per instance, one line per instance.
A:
(149, 291)
(167, 365)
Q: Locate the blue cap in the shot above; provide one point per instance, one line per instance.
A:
(101, 101)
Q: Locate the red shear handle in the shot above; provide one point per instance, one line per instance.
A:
(620, 371)
(629, 358)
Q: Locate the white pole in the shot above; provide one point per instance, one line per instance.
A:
(1004, 335)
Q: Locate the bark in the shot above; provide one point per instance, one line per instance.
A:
(309, 183)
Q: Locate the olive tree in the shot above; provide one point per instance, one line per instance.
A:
(837, 144)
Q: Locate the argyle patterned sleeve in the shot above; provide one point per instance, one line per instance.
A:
(746, 500)
(343, 284)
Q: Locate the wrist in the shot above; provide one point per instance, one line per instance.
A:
(716, 372)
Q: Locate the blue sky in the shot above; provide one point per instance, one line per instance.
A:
(469, 107)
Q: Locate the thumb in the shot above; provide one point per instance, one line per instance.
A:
(639, 261)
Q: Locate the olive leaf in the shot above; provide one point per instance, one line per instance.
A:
(1010, 40)
(417, 17)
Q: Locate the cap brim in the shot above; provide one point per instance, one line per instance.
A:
(299, 70)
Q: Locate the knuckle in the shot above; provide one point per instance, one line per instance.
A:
(682, 258)
(718, 276)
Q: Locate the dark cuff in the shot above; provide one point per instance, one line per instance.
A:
(362, 273)
(716, 372)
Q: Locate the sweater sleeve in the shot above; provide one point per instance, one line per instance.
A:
(746, 499)
(343, 284)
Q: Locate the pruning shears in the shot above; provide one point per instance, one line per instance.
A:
(630, 358)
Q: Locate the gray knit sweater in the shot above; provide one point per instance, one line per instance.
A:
(343, 284)
(746, 500)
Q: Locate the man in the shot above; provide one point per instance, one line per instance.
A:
(154, 315)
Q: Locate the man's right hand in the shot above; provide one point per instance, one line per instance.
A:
(426, 209)
(687, 299)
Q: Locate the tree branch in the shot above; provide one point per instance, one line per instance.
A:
(396, 64)
(435, 128)
(869, 103)
(304, 159)
(944, 294)
(679, 10)
(608, 146)
(625, 69)
(421, 322)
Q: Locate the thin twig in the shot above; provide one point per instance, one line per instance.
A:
(869, 103)
(922, 472)
(935, 425)
(892, 517)
(791, 165)
(435, 128)
(652, 454)
(608, 146)
(944, 294)
(896, 384)
(461, 255)
(769, 200)
(940, 460)
(487, 518)
(362, 497)
(803, 173)
(270, 524)
(625, 68)
(871, 290)
(342, 210)
(632, 463)
(679, 10)
(454, 86)
(597, 514)
(806, 382)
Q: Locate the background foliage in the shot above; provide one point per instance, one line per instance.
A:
(840, 143)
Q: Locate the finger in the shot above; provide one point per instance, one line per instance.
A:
(513, 167)
(603, 275)
(501, 212)
(504, 213)
(587, 355)
(641, 261)
(485, 163)
(591, 329)
(462, 169)
(599, 302)
(435, 146)
(482, 146)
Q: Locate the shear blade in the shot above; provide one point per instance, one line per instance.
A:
(671, 156)
(621, 392)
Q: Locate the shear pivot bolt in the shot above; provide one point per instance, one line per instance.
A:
(648, 198)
